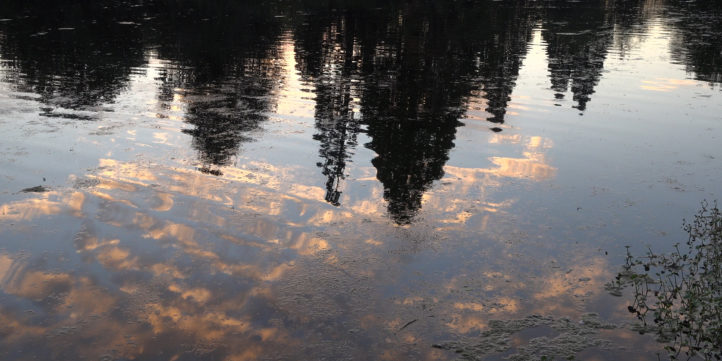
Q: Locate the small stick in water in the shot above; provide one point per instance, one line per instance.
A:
(407, 325)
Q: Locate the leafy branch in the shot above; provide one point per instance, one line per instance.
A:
(678, 295)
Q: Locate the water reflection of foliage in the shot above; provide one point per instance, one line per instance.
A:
(332, 66)
(409, 69)
(698, 41)
(74, 55)
(681, 291)
(577, 49)
(420, 85)
(221, 62)
(401, 71)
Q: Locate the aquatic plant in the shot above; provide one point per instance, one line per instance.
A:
(678, 295)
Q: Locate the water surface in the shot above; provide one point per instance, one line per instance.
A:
(225, 180)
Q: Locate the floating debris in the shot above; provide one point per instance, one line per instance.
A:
(36, 189)
(407, 324)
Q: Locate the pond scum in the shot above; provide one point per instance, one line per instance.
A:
(678, 295)
(573, 337)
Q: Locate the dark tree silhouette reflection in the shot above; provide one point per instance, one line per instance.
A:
(402, 72)
(74, 55)
(578, 38)
(412, 98)
(697, 43)
(222, 64)
(411, 66)
(504, 33)
(333, 69)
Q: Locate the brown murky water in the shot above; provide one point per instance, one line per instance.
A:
(219, 180)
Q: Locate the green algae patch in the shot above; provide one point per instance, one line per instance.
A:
(573, 337)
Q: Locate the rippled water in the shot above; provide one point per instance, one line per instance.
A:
(229, 180)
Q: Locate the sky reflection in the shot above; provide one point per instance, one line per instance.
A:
(345, 181)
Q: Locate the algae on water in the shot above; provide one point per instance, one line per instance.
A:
(573, 337)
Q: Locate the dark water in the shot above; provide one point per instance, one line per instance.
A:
(235, 180)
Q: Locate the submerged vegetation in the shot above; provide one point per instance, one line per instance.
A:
(678, 295)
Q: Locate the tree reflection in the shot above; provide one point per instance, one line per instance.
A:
(412, 66)
(401, 71)
(504, 33)
(698, 40)
(578, 38)
(332, 67)
(412, 99)
(75, 55)
(222, 66)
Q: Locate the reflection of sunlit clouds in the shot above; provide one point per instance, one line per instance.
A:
(559, 289)
(117, 258)
(165, 202)
(161, 138)
(89, 242)
(35, 285)
(14, 330)
(576, 281)
(49, 203)
(532, 167)
(522, 168)
(367, 205)
(86, 299)
(666, 84)
(262, 199)
(239, 227)
(306, 192)
(184, 234)
(327, 217)
(452, 197)
(29, 209)
(472, 306)
(166, 270)
(5, 264)
(504, 138)
(110, 198)
(198, 295)
(467, 322)
(250, 353)
(182, 237)
(536, 142)
(211, 325)
(461, 217)
(519, 106)
(410, 300)
(114, 170)
(307, 245)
